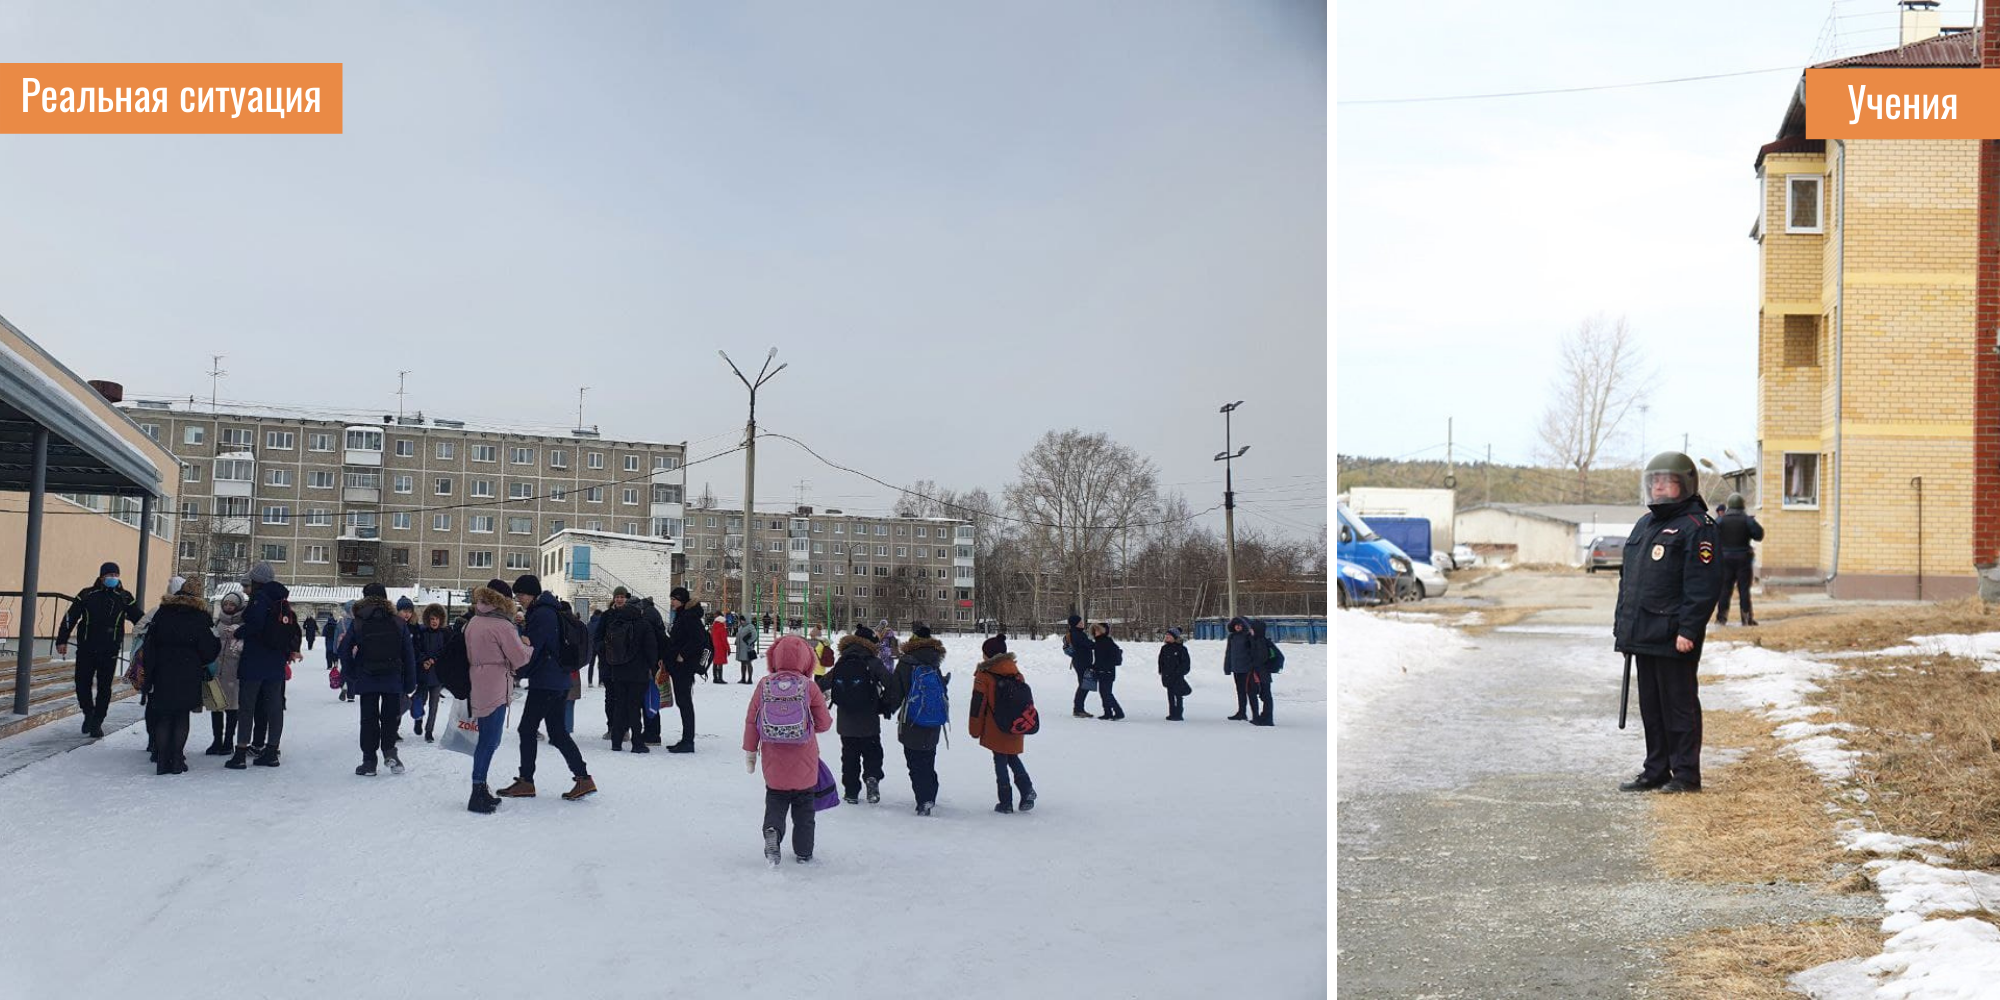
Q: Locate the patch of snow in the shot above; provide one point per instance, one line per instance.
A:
(1919, 890)
(1593, 631)
(1825, 755)
(1938, 959)
(1855, 838)
(1753, 677)
(1801, 730)
(1380, 654)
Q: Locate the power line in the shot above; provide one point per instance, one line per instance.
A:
(1568, 90)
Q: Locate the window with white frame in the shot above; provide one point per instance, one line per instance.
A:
(440, 558)
(193, 435)
(280, 440)
(965, 572)
(190, 549)
(965, 552)
(190, 510)
(485, 453)
(482, 488)
(440, 522)
(881, 530)
(234, 470)
(521, 491)
(441, 486)
(319, 517)
(1801, 482)
(593, 525)
(277, 514)
(319, 480)
(800, 545)
(523, 456)
(558, 458)
(150, 430)
(940, 573)
(965, 532)
(558, 493)
(1802, 203)
(923, 532)
(406, 448)
(364, 440)
(315, 553)
(406, 484)
(819, 548)
(237, 437)
(479, 524)
(362, 480)
(555, 525)
(902, 531)
(277, 477)
(882, 550)
(840, 528)
(839, 570)
(943, 553)
(840, 548)
(902, 552)
(319, 441)
(518, 560)
(596, 494)
(631, 527)
(479, 560)
(400, 520)
(630, 496)
(631, 463)
(447, 450)
(520, 525)
(594, 460)
(273, 553)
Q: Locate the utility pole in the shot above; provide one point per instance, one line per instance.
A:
(399, 393)
(764, 374)
(1489, 473)
(1643, 409)
(215, 374)
(1684, 443)
(1228, 458)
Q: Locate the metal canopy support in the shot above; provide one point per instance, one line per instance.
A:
(145, 525)
(31, 568)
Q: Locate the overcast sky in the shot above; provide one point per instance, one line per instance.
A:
(1473, 235)
(961, 224)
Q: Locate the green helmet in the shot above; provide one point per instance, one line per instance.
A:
(1668, 466)
(1735, 501)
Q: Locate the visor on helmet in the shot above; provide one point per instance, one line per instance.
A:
(1649, 478)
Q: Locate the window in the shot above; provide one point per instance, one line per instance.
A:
(882, 550)
(280, 440)
(965, 532)
(234, 470)
(555, 526)
(447, 449)
(735, 524)
(315, 553)
(965, 552)
(277, 477)
(273, 553)
(1801, 340)
(631, 496)
(277, 515)
(518, 560)
(319, 480)
(940, 573)
(520, 525)
(558, 458)
(319, 517)
(194, 435)
(666, 494)
(406, 448)
(799, 545)
(189, 550)
(965, 573)
(594, 459)
(479, 560)
(400, 520)
(902, 531)
(319, 442)
(596, 494)
(818, 527)
(963, 594)
(485, 453)
(440, 558)
(440, 522)
(710, 544)
(631, 463)
(150, 430)
(666, 527)
(362, 524)
(362, 480)
(819, 548)
(944, 594)
(631, 527)
(593, 525)
(521, 491)
(840, 548)
(840, 529)
(442, 486)
(1801, 481)
(1802, 201)
(923, 532)
(190, 510)
(482, 488)
(558, 493)
(406, 484)
(943, 554)
(364, 440)
(399, 557)
(819, 569)
(481, 524)
(798, 527)
(881, 530)
(902, 552)
(523, 456)
(236, 437)
(659, 463)
(709, 521)
(777, 524)
(839, 570)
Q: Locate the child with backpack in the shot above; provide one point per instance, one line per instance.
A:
(1174, 669)
(380, 665)
(1106, 656)
(1271, 660)
(920, 690)
(787, 713)
(858, 685)
(1002, 717)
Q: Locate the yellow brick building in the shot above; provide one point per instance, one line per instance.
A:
(1867, 259)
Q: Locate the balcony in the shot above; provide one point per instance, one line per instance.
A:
(360, 494)
(230, 525)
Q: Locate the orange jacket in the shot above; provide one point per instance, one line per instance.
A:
(979, 720)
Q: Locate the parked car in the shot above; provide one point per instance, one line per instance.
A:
(1360, 544)
(1606, 551)
(1357, 586)
(1426, 581)
(1462, 557)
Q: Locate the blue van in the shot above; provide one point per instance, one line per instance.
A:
(1359, 544)
(1357, 586)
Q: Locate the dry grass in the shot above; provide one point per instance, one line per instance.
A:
(1492, 618)
(1931, 729)
(1870, 628)
(1752, 963)
(1760, 819)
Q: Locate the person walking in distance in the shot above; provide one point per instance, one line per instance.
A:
(686, 642)
(494, 649)
(98, 620)
(1106, 658)
(1667, 588)
(746, 647)
(430, 639)
(921, 693)
(718, 640)
(996, 688)
(1734, 532)
(1174, 670)
(1082, 654)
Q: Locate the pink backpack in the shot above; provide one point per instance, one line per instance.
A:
(785, 713)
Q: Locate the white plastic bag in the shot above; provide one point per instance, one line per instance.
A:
(461, 730)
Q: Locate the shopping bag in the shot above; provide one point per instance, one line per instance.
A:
(653, 699)
(664, 683)
(461, 730)
(212, 697)
(826, 794)
(415, 706)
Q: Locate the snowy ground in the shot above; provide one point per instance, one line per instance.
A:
(1163, 860)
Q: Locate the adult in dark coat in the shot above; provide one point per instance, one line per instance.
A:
(686, 640)
(311, 627)
(1082, 654)
(1174, 669)
(548, 694)
(628, 668)
(260, 671)
(429, 639)
(179, 649)
(1667, 588)
(98, 619)
(1242, 657)
(1105, 660)
(1734, 531)
(659, 626)
(858, 722)
(379, 662)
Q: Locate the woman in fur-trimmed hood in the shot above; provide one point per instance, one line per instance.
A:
(180, 646)
(494, 649)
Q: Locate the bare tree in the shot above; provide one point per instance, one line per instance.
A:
(1085, 488)
(925, 498)
(1599, 383)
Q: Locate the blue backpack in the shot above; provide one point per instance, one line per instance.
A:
(927, 704)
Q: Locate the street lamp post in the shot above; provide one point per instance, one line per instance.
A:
(1228, 458)
(764, 374)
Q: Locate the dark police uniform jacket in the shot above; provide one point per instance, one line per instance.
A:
(1670, 580)
(1735, 531)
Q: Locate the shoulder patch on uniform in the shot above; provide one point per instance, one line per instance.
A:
(1706, 550)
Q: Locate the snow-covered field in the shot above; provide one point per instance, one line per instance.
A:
(1379, 654)
(1163, 860)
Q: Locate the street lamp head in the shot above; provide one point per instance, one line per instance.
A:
(1230, 406)
(1732, 456)
(1220, 455)
(1706, 464)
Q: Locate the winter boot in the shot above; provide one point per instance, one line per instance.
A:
(1027, 796)
(771, 846)
(367, 767)
(852, 798)
(1006, 799)
(164, 767)
(1239, 716)
(924, 808)
(215, 748)
(874, 790)
(481, 801)
(239, 760)
(684, 746)
(520, 789)
(584, 786)
(269, 758)
(395, 763)
(639, 745)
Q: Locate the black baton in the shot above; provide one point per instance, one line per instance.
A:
(1625, 690)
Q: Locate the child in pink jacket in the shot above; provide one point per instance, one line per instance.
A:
(786, 715)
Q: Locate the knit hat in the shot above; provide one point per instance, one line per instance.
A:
(108, 569)
(620, 592)
(680, 594)
(1176, 633)
(405, 604)
(920, 630)
(175, 583)
(1076, 620)
(374, 590)
(232, 598)
(993, 647)
(260, 573)
(500, 587)
(864, 632)
(528, 585)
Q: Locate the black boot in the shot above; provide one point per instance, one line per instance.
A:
(239, 760)
(269, 758)
(1027, 795)
(367, 768)
(481, 801)
(1006, 799)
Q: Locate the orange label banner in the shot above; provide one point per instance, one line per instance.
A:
(170, 98)
(1902, 103)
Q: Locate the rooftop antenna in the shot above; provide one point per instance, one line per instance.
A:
(215, 374)
(399, 393)
(804, 485)
(579, 406)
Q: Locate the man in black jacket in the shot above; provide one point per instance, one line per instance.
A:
(98, 616)
(685, 642)
(1082, 653)
(1735, 530)
(626, 648)
(1666, 591)
(659, 627)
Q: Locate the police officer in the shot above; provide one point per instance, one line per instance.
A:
(97, 618)
(1735, 530)
(1666, 591)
